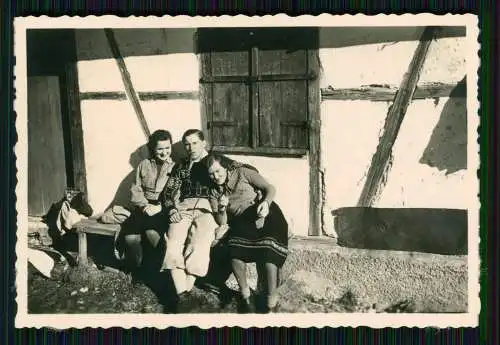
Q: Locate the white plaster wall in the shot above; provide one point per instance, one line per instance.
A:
(290, 176)
(174, 115)
(111, 129)
(355, 66)
(351, 129)
(445, 61)
(412, 183)
(111, 134)
(381, 56)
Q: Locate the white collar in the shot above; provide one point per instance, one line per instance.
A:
(203, 155)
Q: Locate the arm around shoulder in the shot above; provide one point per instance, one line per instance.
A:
(259, 182)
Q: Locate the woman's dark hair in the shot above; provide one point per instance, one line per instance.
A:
(191, 132)
(159, 135)
(225, 162)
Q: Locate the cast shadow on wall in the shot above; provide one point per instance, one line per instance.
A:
(122, 195)
(428, 230)
(447, 147)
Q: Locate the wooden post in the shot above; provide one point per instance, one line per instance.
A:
(82, 249)
(394, 119)
(129, 87)
(206, 96)
(315, 186)
(75, 127)
(254, 98)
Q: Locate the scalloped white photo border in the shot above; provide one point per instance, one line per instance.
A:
(64, 321)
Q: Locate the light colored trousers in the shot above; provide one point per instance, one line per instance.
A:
(189, 241)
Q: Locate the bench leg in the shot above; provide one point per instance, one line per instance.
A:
(82, 249)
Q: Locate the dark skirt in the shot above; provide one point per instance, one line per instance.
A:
(136, 225)
(138, 222)
(267, 244)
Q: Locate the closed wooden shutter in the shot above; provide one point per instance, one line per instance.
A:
(256, 84)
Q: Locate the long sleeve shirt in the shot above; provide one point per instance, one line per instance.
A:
(150, 180)
(240, 187)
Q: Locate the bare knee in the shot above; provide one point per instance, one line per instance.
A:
(133, 251)
(153, 237)
(132, 240)
(269, 266)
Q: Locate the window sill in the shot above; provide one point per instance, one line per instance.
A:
(261, 151)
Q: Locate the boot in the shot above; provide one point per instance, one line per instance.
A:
(246, 305)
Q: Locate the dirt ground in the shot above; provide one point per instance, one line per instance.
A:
(108, 289)
(88, 291)
(92, 290)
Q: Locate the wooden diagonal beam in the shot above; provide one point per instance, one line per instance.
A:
(129, 87)
(394, 119)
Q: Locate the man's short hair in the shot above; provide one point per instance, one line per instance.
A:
(191, 132)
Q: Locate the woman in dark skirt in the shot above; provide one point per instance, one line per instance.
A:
(258, 231)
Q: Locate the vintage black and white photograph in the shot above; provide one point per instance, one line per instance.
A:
(308, 171)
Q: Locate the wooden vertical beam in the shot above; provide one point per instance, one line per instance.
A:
(315, 192)
(254, 96)
(74, 116)
(206, 95)
(71, 112)
(129, 87)
(82, 249)
(394, 119)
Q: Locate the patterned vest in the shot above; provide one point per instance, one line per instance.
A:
(187, 183)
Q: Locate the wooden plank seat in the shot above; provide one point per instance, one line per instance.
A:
(91, 226)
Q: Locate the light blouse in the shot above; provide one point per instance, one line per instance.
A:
(240, 187)
(151, 177)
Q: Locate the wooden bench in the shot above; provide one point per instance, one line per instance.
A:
(91, 226)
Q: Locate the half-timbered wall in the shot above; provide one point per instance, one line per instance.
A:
(165, 71)
(429, 156)
(429, 161)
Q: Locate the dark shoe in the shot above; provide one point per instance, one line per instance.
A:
(246, 305)
(136, 276)
(224, 293)
(226, 296)
(272, 310)
(169, 308)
